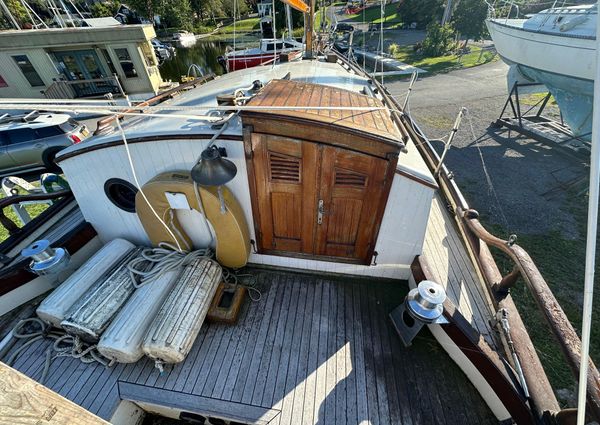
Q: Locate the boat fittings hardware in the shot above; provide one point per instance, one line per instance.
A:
(422, 306)
(46, 260)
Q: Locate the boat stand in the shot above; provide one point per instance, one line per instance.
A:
(532, 123)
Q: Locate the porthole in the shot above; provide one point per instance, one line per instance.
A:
(121, 193)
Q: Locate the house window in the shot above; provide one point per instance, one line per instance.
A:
(126, 63)
(28, 70)
(109, 62)
(2, 82)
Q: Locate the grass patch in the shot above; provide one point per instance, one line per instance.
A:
(445, 63)
(373, 14)
(320, 16)
(536, 99)
(34, 210)
(245, 25)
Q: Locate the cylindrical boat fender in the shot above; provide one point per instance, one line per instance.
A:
(91, 315)
(122, 340)
(174, 330)
(56, 305)
(231, 229)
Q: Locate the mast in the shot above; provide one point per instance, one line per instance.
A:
(309, 22)
(592, 228)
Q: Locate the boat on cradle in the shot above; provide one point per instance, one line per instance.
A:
(310, 188)
(270, 51)
(557, 48)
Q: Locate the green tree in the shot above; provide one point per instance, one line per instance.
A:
(241, 8)
(422, 12)
(469, 20)
(100, 10)
(439, 40)
(19, 13)
(176, 14)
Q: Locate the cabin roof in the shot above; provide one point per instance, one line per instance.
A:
(375, 122)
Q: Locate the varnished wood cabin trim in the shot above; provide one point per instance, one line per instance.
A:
(24, 401)
(324, 133)
(19, 274)
(478, 351)
(249, 153)
(146, 139)
(387, 187)
(417, 179)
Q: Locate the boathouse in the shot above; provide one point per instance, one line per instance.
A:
(79, 62)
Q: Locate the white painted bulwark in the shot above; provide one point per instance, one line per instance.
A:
(400, 236)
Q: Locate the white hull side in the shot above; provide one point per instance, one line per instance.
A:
(569, 56)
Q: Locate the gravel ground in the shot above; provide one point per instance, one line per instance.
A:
(511, 180)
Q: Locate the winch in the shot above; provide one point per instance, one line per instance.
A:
(46, 260)
(423, 305)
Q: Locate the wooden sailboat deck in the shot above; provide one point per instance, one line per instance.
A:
(452, 267)
(312, 350)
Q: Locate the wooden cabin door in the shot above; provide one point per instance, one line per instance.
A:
(285, 172)
(351, 191)
(315, 199)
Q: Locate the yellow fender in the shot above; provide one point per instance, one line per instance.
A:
(231, 229)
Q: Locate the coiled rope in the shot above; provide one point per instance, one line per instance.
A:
(162, 259)
(64, 345)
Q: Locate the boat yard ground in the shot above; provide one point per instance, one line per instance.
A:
(519, 186)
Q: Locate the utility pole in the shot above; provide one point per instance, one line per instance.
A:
(447, 12)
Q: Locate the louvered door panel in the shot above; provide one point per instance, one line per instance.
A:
(285, 172)
(351, 188)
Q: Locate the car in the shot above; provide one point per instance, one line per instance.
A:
(343, 27)
(32, 140)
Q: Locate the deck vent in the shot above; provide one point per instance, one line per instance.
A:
(423, 305)
(46, 260)
(284, 168)
(349, 178)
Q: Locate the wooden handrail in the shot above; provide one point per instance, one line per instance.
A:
(105, 122)
(10, 225)
(552, 311)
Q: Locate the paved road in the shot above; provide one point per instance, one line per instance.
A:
(514, 182)
(478, 83)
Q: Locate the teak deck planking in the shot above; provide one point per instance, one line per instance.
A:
(312, 350)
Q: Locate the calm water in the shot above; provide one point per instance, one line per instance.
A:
(203, 53)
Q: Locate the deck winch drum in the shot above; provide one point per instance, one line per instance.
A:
(423, 305)
(46, 260)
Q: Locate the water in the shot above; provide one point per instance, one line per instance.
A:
(203, 53)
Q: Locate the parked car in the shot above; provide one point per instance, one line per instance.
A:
(34, 139)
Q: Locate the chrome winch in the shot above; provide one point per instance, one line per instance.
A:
(46, 260)
(423, 305)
